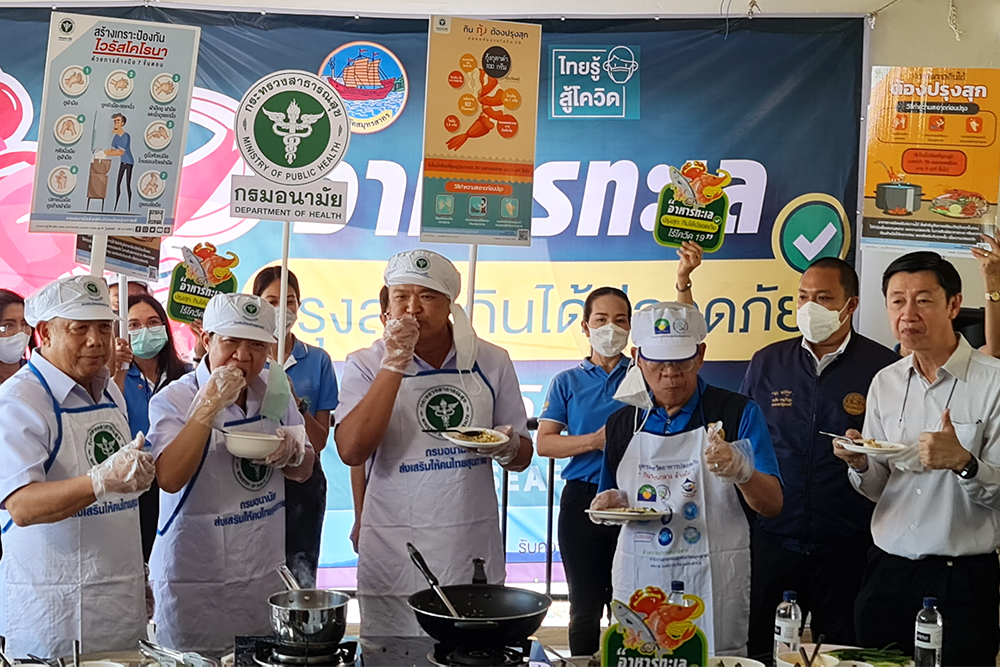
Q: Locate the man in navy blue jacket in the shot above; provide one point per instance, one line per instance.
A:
(817, 545)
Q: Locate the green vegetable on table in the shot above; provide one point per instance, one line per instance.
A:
(886, 657)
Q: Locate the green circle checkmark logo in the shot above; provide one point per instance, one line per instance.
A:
(811, 227)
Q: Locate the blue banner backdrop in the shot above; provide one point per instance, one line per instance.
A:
(774, 102)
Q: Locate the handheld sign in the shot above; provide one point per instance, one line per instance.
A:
(203, 274)
(693, 207)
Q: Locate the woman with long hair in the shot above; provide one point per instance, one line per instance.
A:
(147, 362)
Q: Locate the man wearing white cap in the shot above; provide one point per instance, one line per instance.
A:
(689, 451)
(222, 518)
(426, 374)
(69, 482)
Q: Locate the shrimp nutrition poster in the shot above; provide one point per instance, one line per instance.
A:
(113, 125)
(479, 131)
(933, 164)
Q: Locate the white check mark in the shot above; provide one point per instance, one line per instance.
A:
(810, 249)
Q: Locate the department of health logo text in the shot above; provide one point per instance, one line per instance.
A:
(292, 127)
(444, 407)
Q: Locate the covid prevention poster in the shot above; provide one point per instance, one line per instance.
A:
(113, 125)
(933, 165)
(479, 131)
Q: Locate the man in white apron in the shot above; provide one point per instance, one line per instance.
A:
(667, 452)
(426, 373)
(221, 531)
(69, 483)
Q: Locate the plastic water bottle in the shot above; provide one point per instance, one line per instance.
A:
(677, 594)
(929, 635)
(787, 624)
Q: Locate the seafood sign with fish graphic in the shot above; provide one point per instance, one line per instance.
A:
(693, 207)
(203, 274)
(653, 629)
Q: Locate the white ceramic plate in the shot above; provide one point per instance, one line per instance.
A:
(252, 445)
(882, 450)
(455, 439)
(623, 516)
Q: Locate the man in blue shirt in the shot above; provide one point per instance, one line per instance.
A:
(818, 545)
(694, 454)
(121, 146)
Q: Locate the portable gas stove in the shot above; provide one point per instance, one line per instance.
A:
(449, 656)
(270, 652)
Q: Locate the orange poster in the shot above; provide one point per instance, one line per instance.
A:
(933, 164)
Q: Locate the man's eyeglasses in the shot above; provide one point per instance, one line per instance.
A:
(681, 366)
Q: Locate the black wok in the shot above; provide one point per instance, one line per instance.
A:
(490, 616)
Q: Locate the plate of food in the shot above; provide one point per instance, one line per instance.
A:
(622, 514)
(871, 446)
(961, 204)
(474, 437)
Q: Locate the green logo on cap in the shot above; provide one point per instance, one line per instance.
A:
(662, 326)
(422, 263)
(93, 289)
(251, 309)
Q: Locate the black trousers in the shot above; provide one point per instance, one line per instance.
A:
(122, 170)
(968, 592)
(149, 516)
(827, 585)
(305, 507)
(587, 553)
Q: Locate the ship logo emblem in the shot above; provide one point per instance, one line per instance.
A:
(372, 82)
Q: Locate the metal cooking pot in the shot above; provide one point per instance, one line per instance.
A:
(308, 616)
(490, 616)
(898, 197)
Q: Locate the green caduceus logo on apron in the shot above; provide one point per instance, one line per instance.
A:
(444, 407)
(103, 440)
(251, 476)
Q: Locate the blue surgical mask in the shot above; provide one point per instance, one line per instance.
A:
(147, 342)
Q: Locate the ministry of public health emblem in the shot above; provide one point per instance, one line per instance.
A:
(444, 407)
(251, 476)
(292, 127)
(103, 440)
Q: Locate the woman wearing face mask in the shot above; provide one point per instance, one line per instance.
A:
(149, 362)
(15, 334)
(314, 384)
(579, 402)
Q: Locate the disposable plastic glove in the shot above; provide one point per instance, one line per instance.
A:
(292, 449)
(221, 391)
(607, 500)
(730, 462)
(129, 472)
(507, 452)
(400, 336)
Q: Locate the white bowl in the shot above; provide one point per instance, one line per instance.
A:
(732, 661)
(252, 445)
(795, 660)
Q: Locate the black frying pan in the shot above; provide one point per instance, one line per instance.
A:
(490, 616)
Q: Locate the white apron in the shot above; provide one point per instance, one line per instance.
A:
(82, 577)
(424, 490)
(219, 542)
(704, 540)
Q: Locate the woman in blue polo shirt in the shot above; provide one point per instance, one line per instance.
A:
(151, 363)
(579, 402)
(314, 383)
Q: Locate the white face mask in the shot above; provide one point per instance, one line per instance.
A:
(608, 340)
(291, 317)
(817, 323)
(633, 389)
(12, 347)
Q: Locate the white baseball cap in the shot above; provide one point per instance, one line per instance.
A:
(81, 298)
(425, 268)
(668, 331)
(240, 316)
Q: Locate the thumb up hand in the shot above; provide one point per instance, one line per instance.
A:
(941, 450)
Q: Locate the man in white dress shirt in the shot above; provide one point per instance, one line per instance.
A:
(936, 525)
(428, 373)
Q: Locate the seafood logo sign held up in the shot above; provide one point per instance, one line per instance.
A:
(292, 127)
(693, 207)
